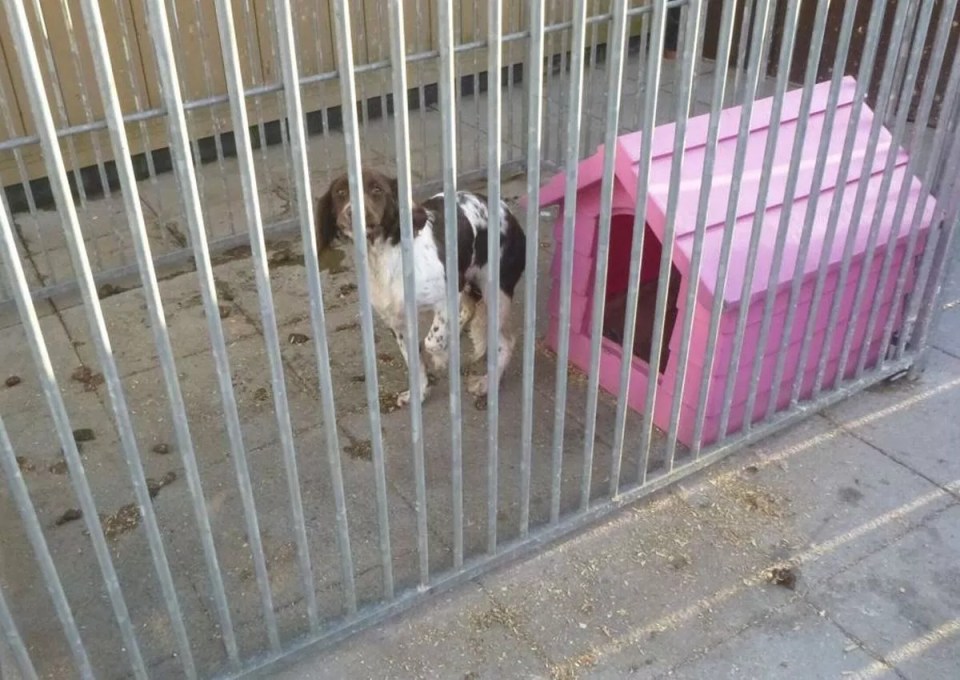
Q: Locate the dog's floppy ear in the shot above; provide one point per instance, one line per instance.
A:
(326, 221)
(419, 215)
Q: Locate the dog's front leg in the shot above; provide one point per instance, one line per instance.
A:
(399, 334)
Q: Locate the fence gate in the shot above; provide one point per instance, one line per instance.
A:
(204, 465)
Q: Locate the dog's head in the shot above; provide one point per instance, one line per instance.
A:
(334, 210)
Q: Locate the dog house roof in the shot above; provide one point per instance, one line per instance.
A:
(627, 163)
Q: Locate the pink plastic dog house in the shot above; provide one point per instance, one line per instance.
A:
(628, 151)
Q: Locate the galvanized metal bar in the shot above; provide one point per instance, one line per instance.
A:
(151, 290)
(251, 200)
(533, 76)
(760, 26)
(126, 21)
(768, 40)
(883, 100)
(590, 93)
(478, 159)
(348, 95)
(691, 49)
(615, 57)
(448, 118)
(652, 85)
(20, 29)
(921, 118)
(401, 119)
(759, 214)
(641, 70)
(256, 73)
(159, 28)
(283, 122)
(57, 88)
(572, 158)
(8, 122)
(930, 309)
(549, 535)
(867, 57)
(286, 38)
(724, 45)
(931, 251)
(900, 94)
(215, 121)
(745, 24)
(11, 636)
(495, 219)
(789, 193)
(813, 200)
(87, 111)
(25, 508)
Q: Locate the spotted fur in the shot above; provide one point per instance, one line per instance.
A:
(385, 268)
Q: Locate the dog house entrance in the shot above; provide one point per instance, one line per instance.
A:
(618, 275)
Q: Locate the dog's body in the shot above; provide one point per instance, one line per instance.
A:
(385, 265)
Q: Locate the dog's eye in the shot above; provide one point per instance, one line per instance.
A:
(376, 191)
(341, 193)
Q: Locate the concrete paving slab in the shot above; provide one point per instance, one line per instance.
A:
(946, 335)
(794, 642)
(914, 424)
(903, 602)
(634, 588)
(131, 337)
(803, 497)
(468, 636)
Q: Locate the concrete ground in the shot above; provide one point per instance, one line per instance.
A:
(828, 551)
(860, 502)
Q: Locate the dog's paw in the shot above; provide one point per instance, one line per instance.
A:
(477, 385)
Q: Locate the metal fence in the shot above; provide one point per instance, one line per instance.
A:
(301, 505)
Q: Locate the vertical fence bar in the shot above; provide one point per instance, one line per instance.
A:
(760, 26)
(790, 190)
(652, 85)
(813, 197)
(533, 76)
(759, 213)
(703, 202)
(930, 310)
(251, 200)
(569, 216)
(448, 121)
(615, 56)
(33, 79)
(11, 637)
(255, 67)
(21, 499)
(286, 39)
(401, 117)
(496, 218)
(926, 101)
(348, 96)
(883, 99)
(869, 54)
(938, 148)
(180, 150)
(108, 93)
(746, 21)
(693, 26)
(691, 48)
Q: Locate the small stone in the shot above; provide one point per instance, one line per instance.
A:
(224, 311)
(161, 449)
(24, 464)
(297, 339)
(71, 515)
(84, 434)
(12, 381)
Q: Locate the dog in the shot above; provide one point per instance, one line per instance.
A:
(334, 214)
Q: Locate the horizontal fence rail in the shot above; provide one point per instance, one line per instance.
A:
(312, 310)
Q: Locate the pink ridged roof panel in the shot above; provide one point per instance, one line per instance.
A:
(743, 217)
